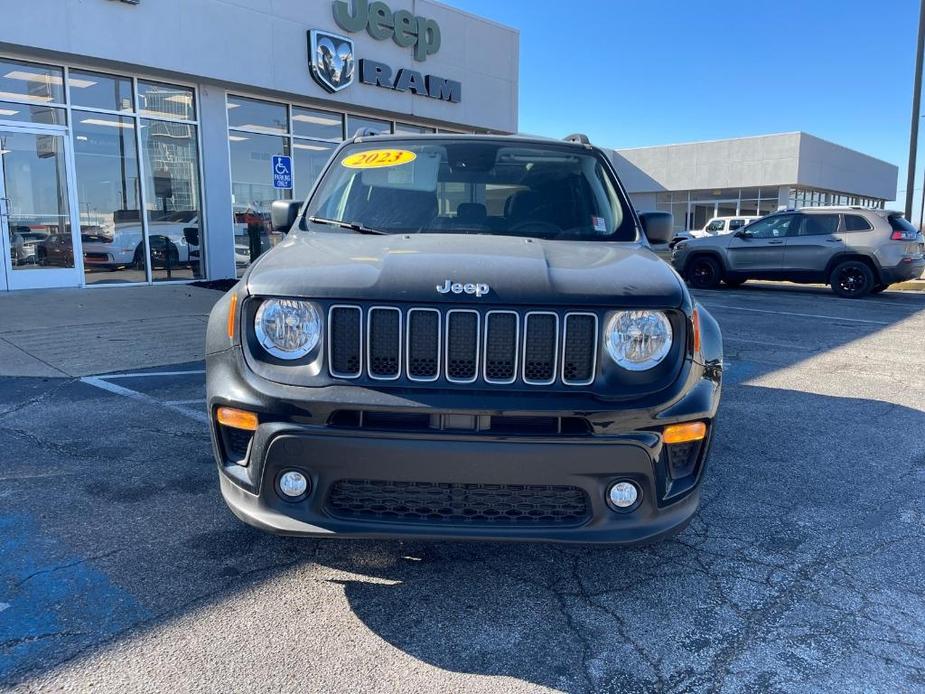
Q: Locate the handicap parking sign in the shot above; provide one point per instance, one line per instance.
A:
(282, 172)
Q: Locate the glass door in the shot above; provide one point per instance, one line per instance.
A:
(38, 221)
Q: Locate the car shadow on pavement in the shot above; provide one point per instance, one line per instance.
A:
(803, 566)
(801, 570)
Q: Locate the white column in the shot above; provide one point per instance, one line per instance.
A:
(216, 179)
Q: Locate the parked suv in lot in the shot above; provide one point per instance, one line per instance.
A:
(463, 336)
(857, 251)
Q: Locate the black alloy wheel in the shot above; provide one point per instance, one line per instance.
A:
(703, 273)
(852, 279)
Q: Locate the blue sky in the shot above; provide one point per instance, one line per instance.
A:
(632, 73)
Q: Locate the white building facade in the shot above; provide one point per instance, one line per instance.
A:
(143, 141)
(751, 176)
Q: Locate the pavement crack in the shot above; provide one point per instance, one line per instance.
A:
(69, 565)
(9, 644)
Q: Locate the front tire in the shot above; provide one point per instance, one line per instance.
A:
(703, 272)
(852, 279)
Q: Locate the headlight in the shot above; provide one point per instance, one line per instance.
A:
(287, 328)
(638, 340)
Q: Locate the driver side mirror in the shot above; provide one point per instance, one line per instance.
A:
(283, 214)
(743, 234)
(657, 226)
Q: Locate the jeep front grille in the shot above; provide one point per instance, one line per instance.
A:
(462, 345)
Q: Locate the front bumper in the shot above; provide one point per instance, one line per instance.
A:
(296, 433)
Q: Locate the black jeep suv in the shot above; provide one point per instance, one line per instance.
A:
(464, 336)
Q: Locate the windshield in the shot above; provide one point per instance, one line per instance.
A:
(474, 187)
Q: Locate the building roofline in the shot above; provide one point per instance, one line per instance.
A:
(472, 15)
(800, 133)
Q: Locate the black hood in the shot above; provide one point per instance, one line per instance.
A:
(408, 268)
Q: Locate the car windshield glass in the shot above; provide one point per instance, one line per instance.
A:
(474, 187)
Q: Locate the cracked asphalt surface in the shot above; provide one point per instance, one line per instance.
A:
(121, 569)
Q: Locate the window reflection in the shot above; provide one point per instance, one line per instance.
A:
(165, 101)
(309, 158)
(96, 90)
(253, 192)
(257, 116)
(28, 113)
(108, 192)
(171, 180)
(35, 185)
(31, 82)
(354, 123)
(320, 125)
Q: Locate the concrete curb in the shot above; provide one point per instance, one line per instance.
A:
(910, 286)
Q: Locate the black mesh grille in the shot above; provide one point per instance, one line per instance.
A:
(459, 504)
(345, 341)
(500, 346)
(423, 344)
(540, 347)
(580, 346)
(384, 342)
(462, 345)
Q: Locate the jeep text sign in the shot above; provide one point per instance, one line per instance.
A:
(404, 28)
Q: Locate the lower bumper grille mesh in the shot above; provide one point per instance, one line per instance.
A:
(458, 503)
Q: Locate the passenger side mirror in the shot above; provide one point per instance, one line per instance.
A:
(283, 214)
(657, 226)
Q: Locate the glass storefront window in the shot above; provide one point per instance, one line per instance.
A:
(252, 192)
(171, 180)
(407, 129)
(28, 113)
(257, 116)
(35, 184)
(159, 100)
(31, 82)
(109, 197)
(320, 125)
(354, 123)
(95, 90)
(309, 158)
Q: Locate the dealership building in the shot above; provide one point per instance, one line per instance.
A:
(751, 176)
(143, 141)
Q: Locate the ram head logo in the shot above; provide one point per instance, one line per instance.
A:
(331, 60)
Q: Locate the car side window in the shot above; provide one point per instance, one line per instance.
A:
(771, 227)
(736, 224)
(819, 224)
(855, 222)
(715, 225)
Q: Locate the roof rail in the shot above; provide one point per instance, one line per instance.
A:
(578, 138)
(367, 132)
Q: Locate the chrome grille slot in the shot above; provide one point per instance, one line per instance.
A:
(345, 341)
(423, 344)
(383, 345)
(462, 345)
(541, 346)
(579, 349)
(502, 332)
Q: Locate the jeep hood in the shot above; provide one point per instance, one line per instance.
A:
(519, 271)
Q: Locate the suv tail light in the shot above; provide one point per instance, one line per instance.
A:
(902, 229)
(903, 236)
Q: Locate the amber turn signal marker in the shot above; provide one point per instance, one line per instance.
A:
(236, 419)
(232, 315)
(684, 433)
(695, 322)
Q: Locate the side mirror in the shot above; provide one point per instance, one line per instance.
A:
(283, 214)
(743, 234)
(657, 226)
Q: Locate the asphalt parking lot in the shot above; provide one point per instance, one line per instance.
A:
(122, 570)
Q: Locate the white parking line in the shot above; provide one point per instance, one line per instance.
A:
(144, 374)
(799, 315)
(142, 397)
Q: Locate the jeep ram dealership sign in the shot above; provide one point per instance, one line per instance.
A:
(333, 62)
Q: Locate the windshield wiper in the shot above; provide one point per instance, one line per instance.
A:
(353, 226)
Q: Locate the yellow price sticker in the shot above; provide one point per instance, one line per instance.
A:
(378, 158)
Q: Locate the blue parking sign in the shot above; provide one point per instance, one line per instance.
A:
(282, 171)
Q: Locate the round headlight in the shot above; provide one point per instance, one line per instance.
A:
(638, 340)
(287, 328)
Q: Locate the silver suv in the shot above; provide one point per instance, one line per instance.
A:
(857, 251)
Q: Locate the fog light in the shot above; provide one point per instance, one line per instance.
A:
(293, 484)
(623, 495)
